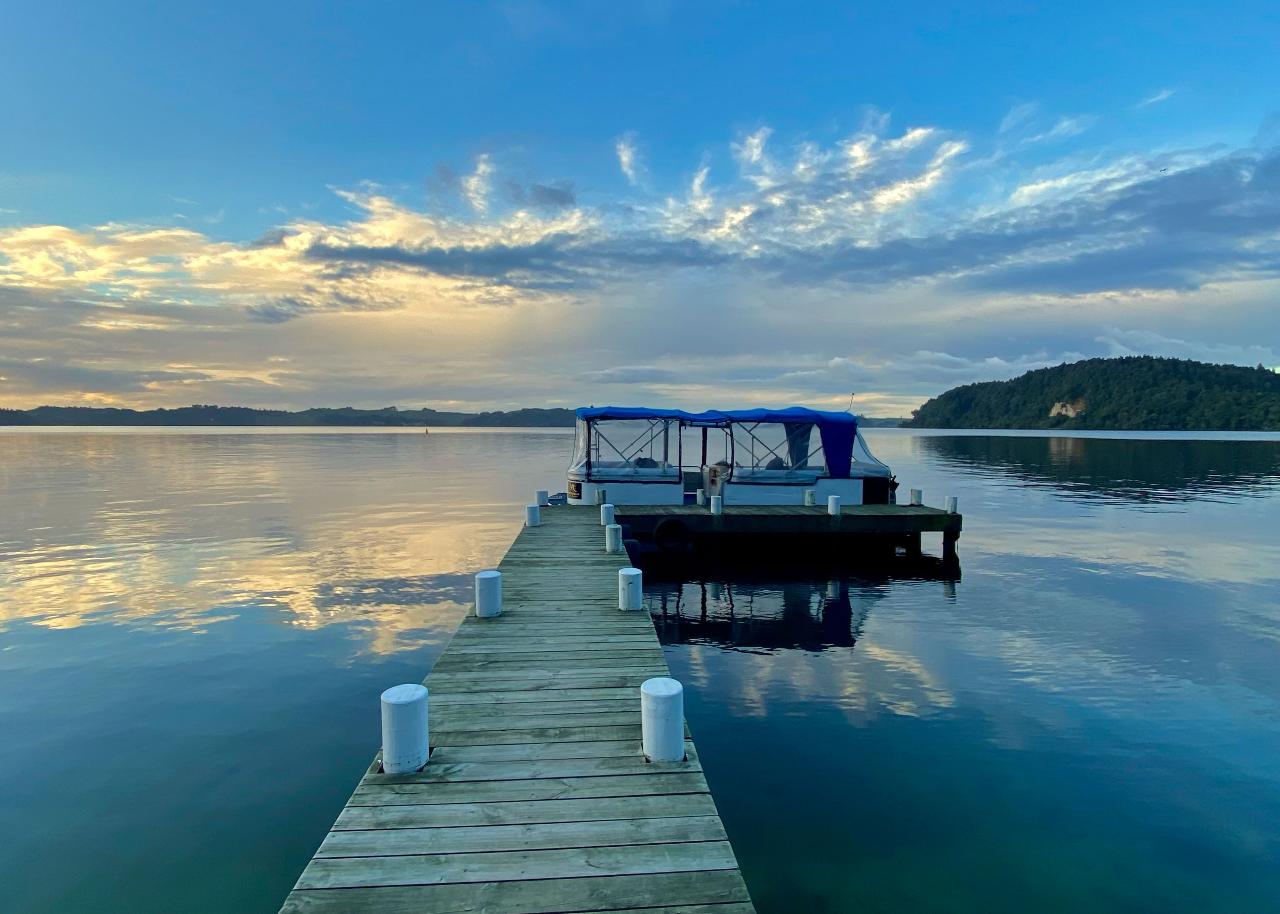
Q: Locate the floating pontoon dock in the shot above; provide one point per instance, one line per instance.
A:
(536, 798)
(796, 530)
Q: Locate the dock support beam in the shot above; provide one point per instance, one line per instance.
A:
(949, 539)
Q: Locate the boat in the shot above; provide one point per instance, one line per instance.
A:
(640, 456)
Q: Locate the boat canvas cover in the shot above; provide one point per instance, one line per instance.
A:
(838, 430)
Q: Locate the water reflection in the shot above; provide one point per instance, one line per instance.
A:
(1138, 470)
(189, 530)
(750, 616)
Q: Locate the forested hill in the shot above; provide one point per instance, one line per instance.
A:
(243, 415)
(1133, 392)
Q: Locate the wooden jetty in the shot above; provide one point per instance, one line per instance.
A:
(536, 798)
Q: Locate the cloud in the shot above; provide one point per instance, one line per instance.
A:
(475, 186)
(891, 263)
(628, 157)
(1064, 128)
(1017, 115)
(1156, 98)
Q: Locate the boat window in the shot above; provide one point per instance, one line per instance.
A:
(778, 449)
(631, 448)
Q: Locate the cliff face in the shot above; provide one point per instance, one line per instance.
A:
(1069, 410)
(1134, 392)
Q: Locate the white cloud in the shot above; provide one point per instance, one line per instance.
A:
(1017, 115)
(1156, 98)
(1064, 128)
(475, 186)
(628, 158)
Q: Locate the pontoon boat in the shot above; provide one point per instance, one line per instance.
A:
(641, 456)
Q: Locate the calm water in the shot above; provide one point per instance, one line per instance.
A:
(194, 629)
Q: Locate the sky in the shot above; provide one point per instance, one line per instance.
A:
(492, 205)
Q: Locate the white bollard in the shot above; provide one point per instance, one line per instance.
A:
(404, 729)
(833, 505)
(662, 719)
(606, 515)
(917, 496)
(613, 538)
(542, 497)
(532, 516)
(953, 504)
(489, 594)
(810, 498)
(701, 497)
(630, 588)
(600, 499)
(717, 504)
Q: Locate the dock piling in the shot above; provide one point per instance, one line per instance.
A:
(630, 588)
(489, 594)
(917, 496)
(613, 538)
(833, 505)
(606, 515)
(532, 516)
(542, 497)
(701, 497)
(810, 498)
(953, 505)
(662, 719)
(717, 504)
(405, 746)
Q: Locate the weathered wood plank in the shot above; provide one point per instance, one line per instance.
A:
(441, 771)
(504, 866)
(545, 896)
(637, 785)
(523, 812)
(542, 836)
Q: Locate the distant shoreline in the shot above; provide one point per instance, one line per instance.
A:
(323, 417)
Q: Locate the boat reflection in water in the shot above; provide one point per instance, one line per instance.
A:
(768, 616)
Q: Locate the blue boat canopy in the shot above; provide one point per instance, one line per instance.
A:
(838, 430)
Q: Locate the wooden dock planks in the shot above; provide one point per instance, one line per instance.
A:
(537, 798)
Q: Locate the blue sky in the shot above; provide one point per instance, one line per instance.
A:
(706, 204)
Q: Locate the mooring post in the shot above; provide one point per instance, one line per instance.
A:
(606, 515)
(542, 497)
(717, 504)
(532, 516)
(662, 719)
(613, 538)
(810, 498)
(953, 504)
(833, 505)
(405, 746)
(600, 499)
(917, 496)
(489, 594)
(701, 497)
(630, 588)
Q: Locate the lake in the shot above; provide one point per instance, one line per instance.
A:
(195, 627)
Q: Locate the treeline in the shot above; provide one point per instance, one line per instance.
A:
(1132, 392)
(243, 415)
